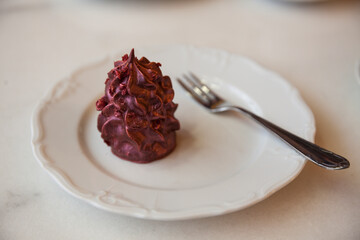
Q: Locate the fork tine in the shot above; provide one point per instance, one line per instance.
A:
(196, 88)
(194, 94)
(205, 88)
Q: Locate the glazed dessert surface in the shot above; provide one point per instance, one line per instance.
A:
(137, 112)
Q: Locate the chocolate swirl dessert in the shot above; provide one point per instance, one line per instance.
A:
(137, 112)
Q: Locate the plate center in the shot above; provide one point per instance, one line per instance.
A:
(210, 148)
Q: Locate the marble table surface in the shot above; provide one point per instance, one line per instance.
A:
(315, 46)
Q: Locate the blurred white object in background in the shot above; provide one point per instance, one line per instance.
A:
(299, 1)
(357, 71)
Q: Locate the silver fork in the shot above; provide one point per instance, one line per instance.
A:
(209, 99)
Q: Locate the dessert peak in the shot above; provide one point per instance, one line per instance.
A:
(132, 55)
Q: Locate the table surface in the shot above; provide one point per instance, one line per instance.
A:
(315, 46)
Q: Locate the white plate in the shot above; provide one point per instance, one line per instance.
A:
(222, 163)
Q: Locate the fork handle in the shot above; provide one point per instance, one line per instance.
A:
(311, 151)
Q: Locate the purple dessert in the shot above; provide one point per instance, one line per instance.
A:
(137, 112)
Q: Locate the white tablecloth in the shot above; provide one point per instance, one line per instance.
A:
(314, 46)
